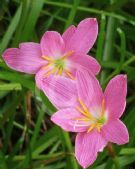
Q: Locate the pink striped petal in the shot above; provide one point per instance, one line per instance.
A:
(52, 44)
(25, 59)
(84, 36)
(65, 118)
(86, 61)
(67, 35)
(89, 90)
(60, 90)
(116, 132)
(115, 96)
(87, 146)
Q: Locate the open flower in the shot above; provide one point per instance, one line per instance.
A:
(56, 56)
(95, 116)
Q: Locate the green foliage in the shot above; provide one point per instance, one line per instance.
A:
(28, 139)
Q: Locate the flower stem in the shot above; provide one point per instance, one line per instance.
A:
(113, 155)
(67, 145)
(110, 150)
(116, 162)
(108, 47)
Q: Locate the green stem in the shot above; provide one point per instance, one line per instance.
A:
(116, 162)
(109, 41)
(100, 42)
(24, 14)
(122, 55)
(113, 155)
(72, 13)
(67, 145)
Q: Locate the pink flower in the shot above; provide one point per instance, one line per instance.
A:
(56, 57)
(95, 116)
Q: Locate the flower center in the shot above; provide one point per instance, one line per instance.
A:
(58, 66)
(93, 121)
(59, 63)
(101, 120)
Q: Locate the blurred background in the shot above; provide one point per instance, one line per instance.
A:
(28, 139)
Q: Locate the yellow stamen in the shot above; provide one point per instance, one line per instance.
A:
(84, 107)
(91, 127)
(97, 122)
(60, 70)
(67, 54)
(81, 111)
(81, 119)
(69, 75)
(51, 72)
(48, 65)
(103, 108)
(98, 126)
(58, 64)
(47, 58)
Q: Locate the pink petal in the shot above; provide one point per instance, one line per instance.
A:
(115, 96)
(89, 90)
(68, 33)
(25, 59)
(84, 36)
(52, 44)
(87, 146)
(116, 132)
(65, 118)
(60, 90)
(86, 61)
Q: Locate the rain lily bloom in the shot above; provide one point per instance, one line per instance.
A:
(95, 116)
(56, 56)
